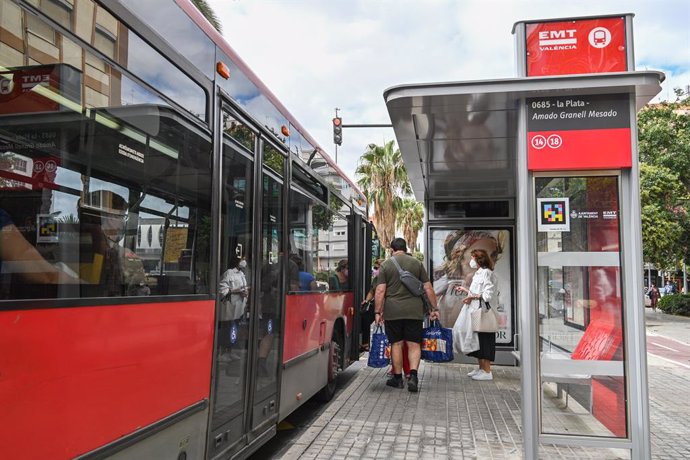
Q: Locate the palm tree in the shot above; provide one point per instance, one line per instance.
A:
(411, 220)
(383, 179)
(208, 13)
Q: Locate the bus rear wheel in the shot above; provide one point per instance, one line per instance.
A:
(334, 358)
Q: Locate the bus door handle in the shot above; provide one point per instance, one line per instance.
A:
(322, 332)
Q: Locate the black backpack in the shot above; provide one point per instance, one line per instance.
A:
(411, 282)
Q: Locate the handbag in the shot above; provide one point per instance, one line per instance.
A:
(379, 349)
(437, 343)
(366, 306)
(484, 319)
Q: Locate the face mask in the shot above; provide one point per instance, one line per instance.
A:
(242, 264)
(345, 272)
(375, 272)
(473, 264)
(113, 228)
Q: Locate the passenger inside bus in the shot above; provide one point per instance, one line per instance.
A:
(111, 268)
(339, 281)
(19, 256)
(307, 282)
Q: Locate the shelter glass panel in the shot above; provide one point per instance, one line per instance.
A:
(580, 306)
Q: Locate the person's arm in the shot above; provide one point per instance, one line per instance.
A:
(431, 295)
(14, 248)
(224, 285)
(372, 290)
(379, 297)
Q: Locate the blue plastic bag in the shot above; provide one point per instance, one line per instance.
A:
(379, 349)
(437, 343)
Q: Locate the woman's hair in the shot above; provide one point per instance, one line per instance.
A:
(458, 242)
(482, 258)
(342, 264)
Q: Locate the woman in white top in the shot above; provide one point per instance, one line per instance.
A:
(233, 290)
(480, 345)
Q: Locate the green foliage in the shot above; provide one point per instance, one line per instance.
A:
(322, 216)
(664, 137)
(664, 147)
(675, 304)
(208, 13)
(410, 220)
(322, 276)
(383, 178)
(665, 221)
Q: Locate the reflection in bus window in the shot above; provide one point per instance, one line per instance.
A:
(117, 196)
(318, 244)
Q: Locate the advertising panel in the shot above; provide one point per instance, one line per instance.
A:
(576, 47)
(450, 257)
(579, 132)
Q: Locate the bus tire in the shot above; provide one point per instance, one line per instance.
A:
(334, 358)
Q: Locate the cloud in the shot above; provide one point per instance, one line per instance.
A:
(317, 55)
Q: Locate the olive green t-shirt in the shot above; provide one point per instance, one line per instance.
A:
(399, 303)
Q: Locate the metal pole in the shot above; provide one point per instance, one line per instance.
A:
(634, 318)
(527, 315)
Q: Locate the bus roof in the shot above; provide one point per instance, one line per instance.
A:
(191, 10)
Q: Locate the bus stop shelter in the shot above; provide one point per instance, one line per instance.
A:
(545, 166)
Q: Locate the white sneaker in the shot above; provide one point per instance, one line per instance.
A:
(473, 372)
(481, 375)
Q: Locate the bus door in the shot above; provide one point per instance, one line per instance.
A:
(235, 296)
(269, 294)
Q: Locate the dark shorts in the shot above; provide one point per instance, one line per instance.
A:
(404, 329)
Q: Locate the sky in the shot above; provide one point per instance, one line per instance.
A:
(316, 55)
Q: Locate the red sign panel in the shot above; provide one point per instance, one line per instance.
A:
(41, 88)
(20, 90)
(579, 132)
(576, 47)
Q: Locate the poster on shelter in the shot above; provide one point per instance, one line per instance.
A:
(450, 257)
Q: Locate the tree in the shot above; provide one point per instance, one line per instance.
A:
(410, 220)
(383, 179)
(664, 146)
(208, 13)
(664, 137)
(664, 221)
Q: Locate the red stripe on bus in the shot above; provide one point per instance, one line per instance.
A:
(304, 314)
(74, 379)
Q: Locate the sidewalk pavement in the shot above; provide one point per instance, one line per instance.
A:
(454, 417)
(669, 385)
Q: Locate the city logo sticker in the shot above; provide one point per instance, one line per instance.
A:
(553, 214)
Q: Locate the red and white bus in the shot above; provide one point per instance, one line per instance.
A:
(141, 164)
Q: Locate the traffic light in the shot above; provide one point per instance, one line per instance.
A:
(338, 131)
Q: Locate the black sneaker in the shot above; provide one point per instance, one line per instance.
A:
(413, 384)
(395, 383)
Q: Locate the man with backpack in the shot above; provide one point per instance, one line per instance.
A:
(399, 298)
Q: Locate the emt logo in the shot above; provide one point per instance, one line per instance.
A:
(552, 40)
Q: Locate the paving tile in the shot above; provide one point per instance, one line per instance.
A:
(455, 417)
